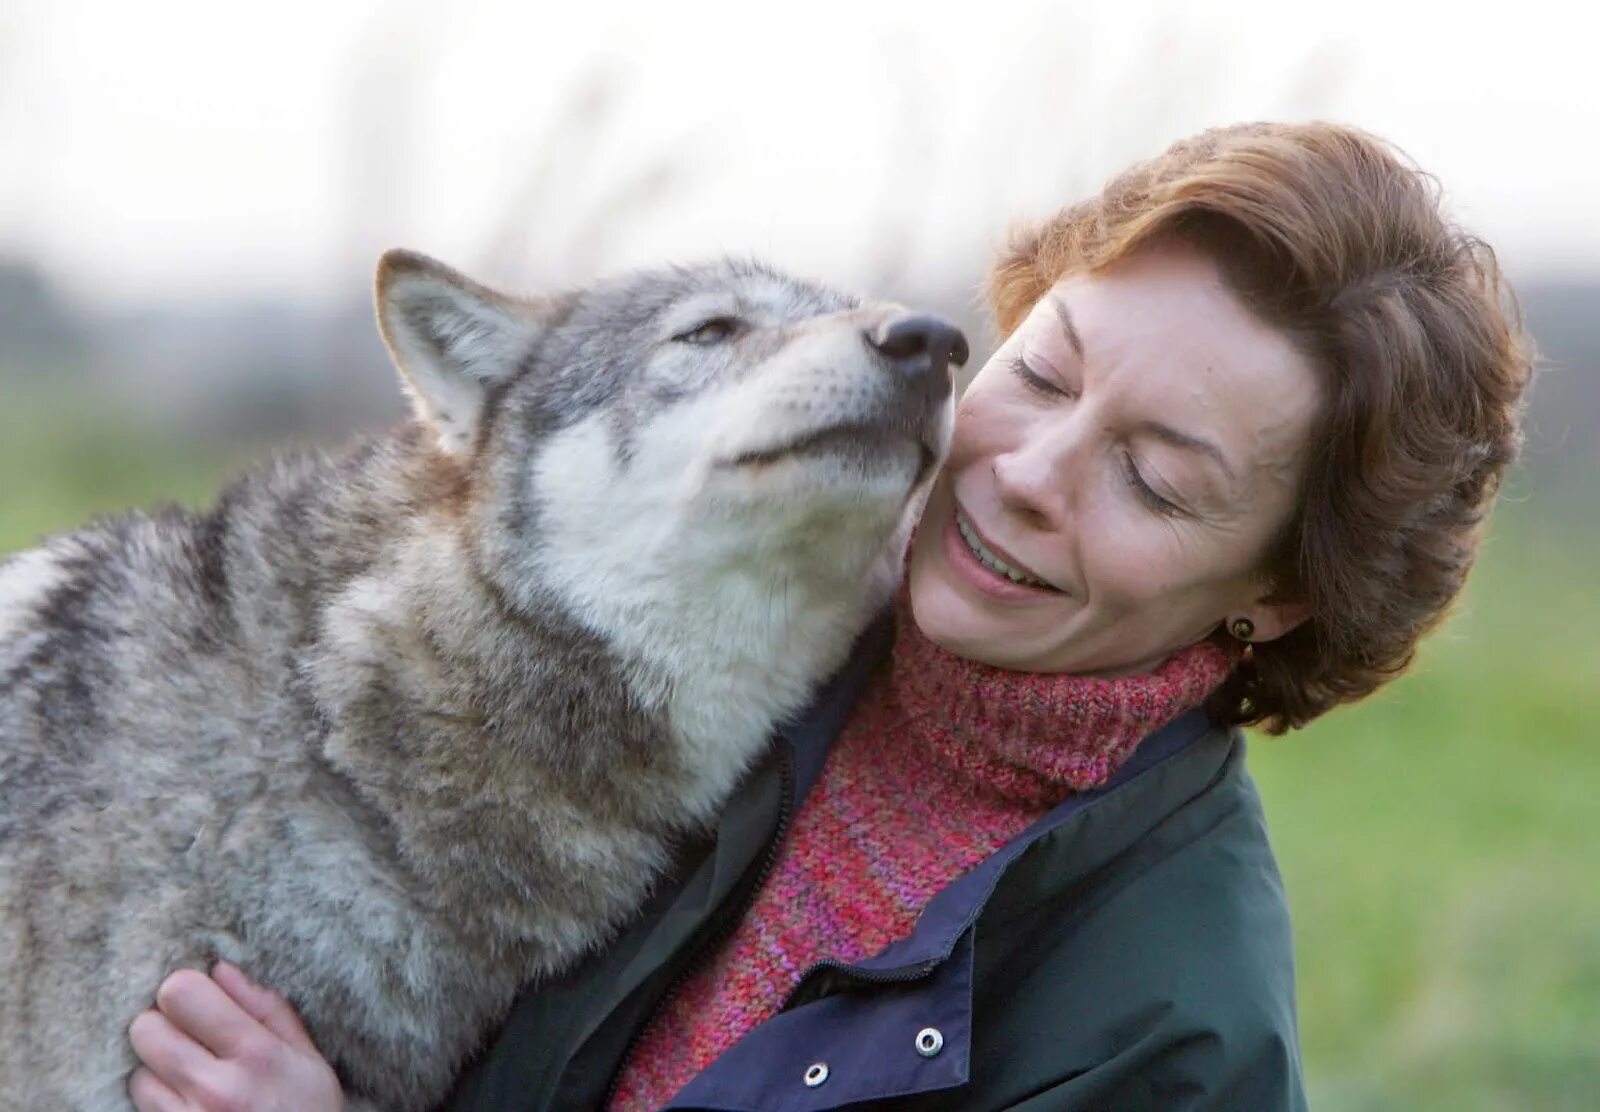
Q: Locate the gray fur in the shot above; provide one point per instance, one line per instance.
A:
(403, 728)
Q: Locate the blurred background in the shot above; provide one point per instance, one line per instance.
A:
(192, 197)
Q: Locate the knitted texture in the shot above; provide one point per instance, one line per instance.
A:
(942, 761)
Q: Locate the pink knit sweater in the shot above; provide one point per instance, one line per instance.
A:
(942, 761)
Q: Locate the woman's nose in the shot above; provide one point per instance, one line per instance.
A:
(1036, 482)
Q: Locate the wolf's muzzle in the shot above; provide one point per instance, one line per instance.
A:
(921, 347)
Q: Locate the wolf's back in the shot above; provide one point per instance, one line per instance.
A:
(123, 694)
(164, 796)
(148, 697)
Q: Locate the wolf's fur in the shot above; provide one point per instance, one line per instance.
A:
(402, 728)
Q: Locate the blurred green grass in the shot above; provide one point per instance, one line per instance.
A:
(1436, 843)
(1435, 839)
(65, 458)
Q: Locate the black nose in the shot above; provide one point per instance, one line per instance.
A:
(920, 344)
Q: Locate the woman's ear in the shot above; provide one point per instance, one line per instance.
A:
(1270, 617)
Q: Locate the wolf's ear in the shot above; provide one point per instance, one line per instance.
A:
(452, 339)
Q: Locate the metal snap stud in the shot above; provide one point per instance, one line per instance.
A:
(816, 1074)
(929, 1042)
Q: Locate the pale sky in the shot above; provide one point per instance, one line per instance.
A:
(190, 148)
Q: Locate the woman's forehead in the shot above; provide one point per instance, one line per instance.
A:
(1164, 290)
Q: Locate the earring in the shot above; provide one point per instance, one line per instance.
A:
(1242, 628)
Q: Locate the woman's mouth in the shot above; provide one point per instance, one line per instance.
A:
(985, 568)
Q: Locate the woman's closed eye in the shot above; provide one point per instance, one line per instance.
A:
(1033, 380)
(1144, 491)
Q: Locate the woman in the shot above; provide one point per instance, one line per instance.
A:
(1231, 461)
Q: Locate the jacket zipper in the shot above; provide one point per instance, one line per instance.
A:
(899, 975)
(710, 943)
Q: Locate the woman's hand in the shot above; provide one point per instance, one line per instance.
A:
(225, 1044)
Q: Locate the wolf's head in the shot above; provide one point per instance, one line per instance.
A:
(679, 453)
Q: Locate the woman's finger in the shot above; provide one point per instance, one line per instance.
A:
(267, 1007)
(174, 1057)
(151, 1094)
(202, 1010)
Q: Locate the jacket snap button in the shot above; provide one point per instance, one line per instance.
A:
(929, 1042)
(816, 1074)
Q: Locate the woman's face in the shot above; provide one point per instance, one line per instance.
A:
(1130, 452)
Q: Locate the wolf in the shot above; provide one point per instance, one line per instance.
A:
(402, 728)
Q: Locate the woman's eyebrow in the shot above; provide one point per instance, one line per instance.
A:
(1190, 443)
(1064, 315)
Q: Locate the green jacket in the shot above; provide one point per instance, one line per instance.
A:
(1129, 951)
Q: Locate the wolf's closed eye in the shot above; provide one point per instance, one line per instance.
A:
(712, 331)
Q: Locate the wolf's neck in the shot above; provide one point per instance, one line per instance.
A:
(724, 648)
(711, 647)
(748, 675)
(310, 522)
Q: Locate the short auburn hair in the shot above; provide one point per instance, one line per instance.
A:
(1336, 239)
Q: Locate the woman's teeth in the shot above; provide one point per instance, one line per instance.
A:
(989, 560)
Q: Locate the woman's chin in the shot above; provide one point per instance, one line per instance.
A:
(961, 625)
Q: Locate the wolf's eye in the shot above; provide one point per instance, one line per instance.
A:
(713, 331)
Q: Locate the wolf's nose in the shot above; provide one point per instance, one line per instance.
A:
(920, 344)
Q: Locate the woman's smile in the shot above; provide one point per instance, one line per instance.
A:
(987, 567)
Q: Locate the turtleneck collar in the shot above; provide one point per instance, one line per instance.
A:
(1037, 737)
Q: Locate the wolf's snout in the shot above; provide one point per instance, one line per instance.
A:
(920, 346)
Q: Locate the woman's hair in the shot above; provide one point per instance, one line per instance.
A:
(1334, 238)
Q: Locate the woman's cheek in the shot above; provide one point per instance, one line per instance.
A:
(1129, 556)
(975, 429)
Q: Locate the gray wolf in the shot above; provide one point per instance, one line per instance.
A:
(403, 728)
